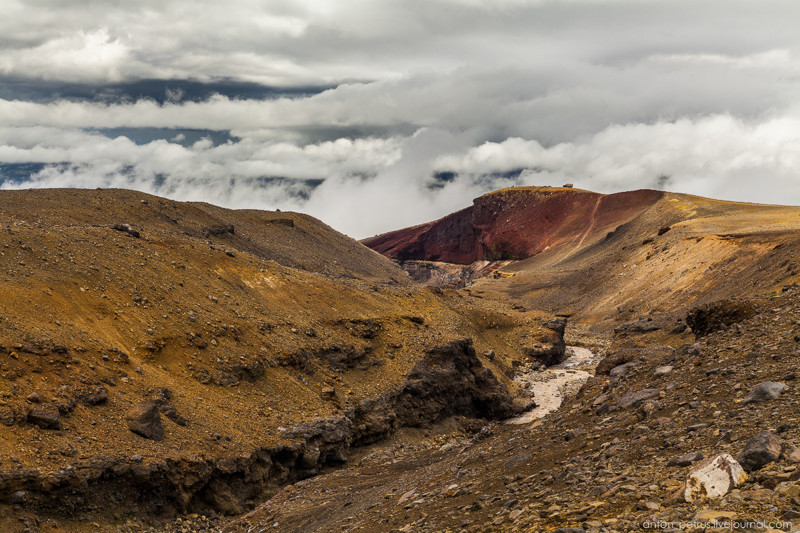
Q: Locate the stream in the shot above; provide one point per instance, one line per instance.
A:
(553, 385)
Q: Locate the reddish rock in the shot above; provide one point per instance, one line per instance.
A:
(45, 416)
(514, 224)
(144, 419)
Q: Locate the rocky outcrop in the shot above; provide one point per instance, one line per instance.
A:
(448, 380)
(220, 230)
(439, 274)
(553, 351)
(718, 315)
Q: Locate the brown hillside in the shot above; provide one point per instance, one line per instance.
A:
(238, 336)
(680, 252)
(604, 259)
(290, 239)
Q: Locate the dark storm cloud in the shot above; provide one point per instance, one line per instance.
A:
(376, 101)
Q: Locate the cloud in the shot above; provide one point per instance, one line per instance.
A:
(367, 186)
(718, 156)
(348, 110)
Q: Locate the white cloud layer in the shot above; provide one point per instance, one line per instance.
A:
(609, 94)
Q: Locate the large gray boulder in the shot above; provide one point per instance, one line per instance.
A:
(635, 399)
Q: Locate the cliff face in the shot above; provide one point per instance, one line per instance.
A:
(513, 224)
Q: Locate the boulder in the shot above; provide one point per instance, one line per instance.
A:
(769, 390)
(126, 228)
(621, 370)
(764, 448)
(94, 397)
(616, 359)
(635, 399)
(713, 478)
(45, 416)
(144, 419)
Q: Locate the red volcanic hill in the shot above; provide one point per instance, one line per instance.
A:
(513, 223)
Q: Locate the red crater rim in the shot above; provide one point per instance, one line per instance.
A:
(514, 223)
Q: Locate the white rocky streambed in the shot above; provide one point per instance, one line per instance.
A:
(551, 386)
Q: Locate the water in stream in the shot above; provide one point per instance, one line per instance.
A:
(551, 386)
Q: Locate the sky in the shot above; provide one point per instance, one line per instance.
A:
(374, 115)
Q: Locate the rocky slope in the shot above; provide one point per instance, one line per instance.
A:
(160, 358)
(179, 367)
(693, 307)
(614, 458)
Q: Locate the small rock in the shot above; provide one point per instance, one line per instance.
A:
(662, 370)
(45, 416)
(621, 370)
(19, 497)
(96, 397)
(406, 496)
(33, 397)
(448, 446)
(685, 459)
(144, 419)
(769, 390)
(647, 506)
(760, 450)
(510, 503)
(329, 392)
(634, 399)
(713, 478)
(172, 413)
(794, 456)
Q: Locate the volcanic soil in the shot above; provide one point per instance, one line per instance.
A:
(159, 359)
(306, 383)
